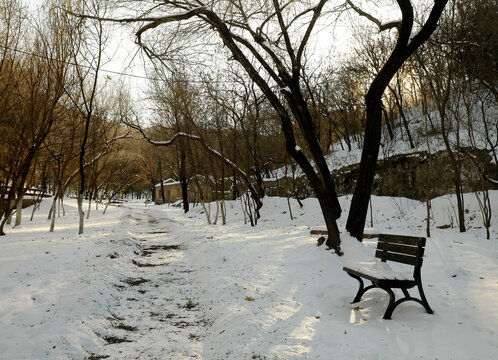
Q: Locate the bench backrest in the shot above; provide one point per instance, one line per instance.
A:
(399, 248)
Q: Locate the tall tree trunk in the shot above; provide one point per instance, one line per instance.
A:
(81, 213)
(328, 212)
(163, 199)
(11, 212)
(2, 224)
(51, 209)
(321, 182)
(429, 177)
(359, 204)
(398, 99)
(19, 211)
(388, 124)
(90, 196)
(81, 192)
(456, 171)
(184, 182)
(61, 199)
(235, 190)
(52, 212)
(460, 202)
(36, 206)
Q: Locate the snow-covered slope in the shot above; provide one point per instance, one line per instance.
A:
(471, 133)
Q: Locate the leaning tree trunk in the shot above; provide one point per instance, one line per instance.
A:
(81, 169)
(321, 181)
(329, 216)
(406, 45)
(363, 189)
(2, 223)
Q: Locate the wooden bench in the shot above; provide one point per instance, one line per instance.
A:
(407, 250)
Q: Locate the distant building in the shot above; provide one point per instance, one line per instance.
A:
(205, 189)
(172, 191)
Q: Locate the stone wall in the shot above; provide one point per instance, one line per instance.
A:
(403, 175)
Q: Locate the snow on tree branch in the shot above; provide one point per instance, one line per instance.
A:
(492, 181)
(152, 20)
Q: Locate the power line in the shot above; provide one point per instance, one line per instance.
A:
(73, 64)
(107, 71)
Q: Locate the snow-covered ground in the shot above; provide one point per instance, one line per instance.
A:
(148, 282)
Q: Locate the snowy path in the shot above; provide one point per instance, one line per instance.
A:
(154, 283)
(119, 291)
(154, 317)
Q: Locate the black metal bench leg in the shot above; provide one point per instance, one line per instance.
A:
(391, 306)
(424, 302)
(406, 293)
(361, 291)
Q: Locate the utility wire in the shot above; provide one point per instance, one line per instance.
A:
(107, 71)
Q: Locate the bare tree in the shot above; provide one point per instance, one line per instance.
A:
(268, 40)
(35, 99)
(10, 36)
(88, 57)
(406, 44)
(175, 104)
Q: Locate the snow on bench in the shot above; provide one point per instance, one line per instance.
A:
(379, 270)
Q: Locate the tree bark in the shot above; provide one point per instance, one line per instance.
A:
(52, 213)
(184, 182)
(363, 189)
(162, 183)
(19, 212)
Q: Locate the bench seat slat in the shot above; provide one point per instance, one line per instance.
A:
(379, 270)
(391, 283)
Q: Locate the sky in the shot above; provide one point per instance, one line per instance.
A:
(124, 65)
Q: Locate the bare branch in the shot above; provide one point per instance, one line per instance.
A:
(152, 19)
(316, 14)
(169, 18)
(380, 25)
(429, 27)
(285, 33)
(262, 61)
(492, 181)
(210, 150)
